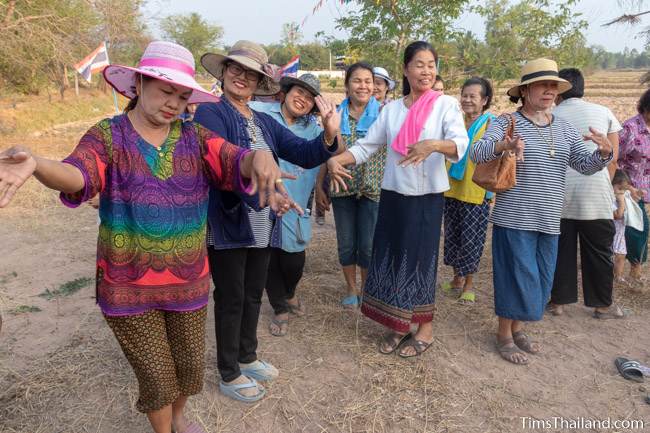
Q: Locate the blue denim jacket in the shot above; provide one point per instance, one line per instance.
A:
(228, 211)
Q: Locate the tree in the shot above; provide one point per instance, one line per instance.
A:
(291, 35)
(528, 30)
(39, 39)
(381, 29)
(192, 32)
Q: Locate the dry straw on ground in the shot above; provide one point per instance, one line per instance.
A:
(61, 370)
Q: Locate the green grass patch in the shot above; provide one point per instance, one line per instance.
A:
(66, 289)
(22, 309)
(5, 278)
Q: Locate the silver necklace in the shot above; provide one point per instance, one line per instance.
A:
(551, 143)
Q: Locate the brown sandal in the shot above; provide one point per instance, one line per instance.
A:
(391, 342)
(418, 345)
(507, 349)
(522, 341)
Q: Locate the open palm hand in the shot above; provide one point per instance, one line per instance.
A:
(16, 166)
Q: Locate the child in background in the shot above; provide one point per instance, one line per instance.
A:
(621, 184)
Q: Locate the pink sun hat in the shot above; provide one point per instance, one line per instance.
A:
(164, 61)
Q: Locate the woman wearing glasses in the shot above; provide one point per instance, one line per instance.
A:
(242, 233)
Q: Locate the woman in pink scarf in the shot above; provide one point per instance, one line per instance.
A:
(423, 129)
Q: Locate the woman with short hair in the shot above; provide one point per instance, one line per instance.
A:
(467, 205)
(526, 218)
(356, 207)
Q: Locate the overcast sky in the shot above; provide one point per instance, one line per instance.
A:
(261, 20)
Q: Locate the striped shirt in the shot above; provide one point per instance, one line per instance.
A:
(260, 221)
(535, 203)
(588, 197)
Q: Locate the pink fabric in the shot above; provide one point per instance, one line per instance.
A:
(169, 64)
(413, 125)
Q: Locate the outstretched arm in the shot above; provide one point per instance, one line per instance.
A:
(17, 164)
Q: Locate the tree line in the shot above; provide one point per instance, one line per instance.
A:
(41, 39)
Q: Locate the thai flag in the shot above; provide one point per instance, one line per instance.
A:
(94, 62)
(291, 68)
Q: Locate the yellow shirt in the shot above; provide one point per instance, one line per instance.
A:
(466, 190)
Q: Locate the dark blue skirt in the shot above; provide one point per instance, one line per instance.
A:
(400, 288)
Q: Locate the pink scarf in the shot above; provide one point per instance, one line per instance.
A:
(413, 125)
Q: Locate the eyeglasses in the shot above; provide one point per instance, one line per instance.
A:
(237, 70)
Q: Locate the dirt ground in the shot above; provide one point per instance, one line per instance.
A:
(61, 370)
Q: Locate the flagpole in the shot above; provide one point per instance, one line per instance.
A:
(115, 104)
(76, 83)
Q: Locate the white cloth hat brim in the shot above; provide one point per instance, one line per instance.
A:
(122, 79)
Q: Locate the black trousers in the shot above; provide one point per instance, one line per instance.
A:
(239, 276)
(285, 272)
(596, 259)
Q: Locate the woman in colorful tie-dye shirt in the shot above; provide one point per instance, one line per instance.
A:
(153, 173)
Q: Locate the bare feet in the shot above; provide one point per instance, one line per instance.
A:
(390, 342)
(510, 352)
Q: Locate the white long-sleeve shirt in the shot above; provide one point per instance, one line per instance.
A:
(444, 123)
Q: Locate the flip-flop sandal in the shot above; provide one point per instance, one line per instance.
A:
(351, 301)
(619, 313)
(448, 288)
(297, 310)
(418, 345)
(629, 369)
(507, 348)
(393, 341)
(522, 341)
(259, 370)
(282, 326)
(467, 298)
(233, 391)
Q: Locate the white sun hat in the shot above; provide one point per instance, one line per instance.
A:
(382, 73)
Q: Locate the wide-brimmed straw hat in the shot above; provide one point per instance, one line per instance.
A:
(164, 61)
(251, 56)
(539, 70)
(382, 73)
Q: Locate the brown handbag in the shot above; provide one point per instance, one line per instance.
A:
(500, 174)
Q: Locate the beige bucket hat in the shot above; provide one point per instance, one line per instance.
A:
(539, 70)
(251, 56)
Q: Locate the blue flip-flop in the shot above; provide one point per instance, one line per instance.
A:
(350, 301)
(232, 390)
(259, 370)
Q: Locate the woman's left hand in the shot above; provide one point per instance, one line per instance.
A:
(418, 152)
(604, 145)
(331, 117)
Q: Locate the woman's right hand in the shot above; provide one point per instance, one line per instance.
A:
(513, 145)
(338, 174)
(322, 199)
(16, 166)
